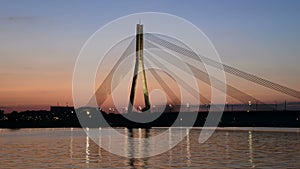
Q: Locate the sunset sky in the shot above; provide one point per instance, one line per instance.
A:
(40, 41)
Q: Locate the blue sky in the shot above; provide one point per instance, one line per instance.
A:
(40, 40)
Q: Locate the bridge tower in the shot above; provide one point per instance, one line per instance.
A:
(139, 64)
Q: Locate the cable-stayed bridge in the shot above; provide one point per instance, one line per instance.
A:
(151, 48)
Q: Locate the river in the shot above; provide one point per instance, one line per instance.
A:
(226, 148)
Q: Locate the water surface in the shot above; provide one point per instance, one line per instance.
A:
(71, 148)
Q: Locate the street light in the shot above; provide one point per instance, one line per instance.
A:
(249, 103)
(170, 106)
(153, 108)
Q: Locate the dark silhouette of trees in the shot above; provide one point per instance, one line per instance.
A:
(1, 114)
(13, 116)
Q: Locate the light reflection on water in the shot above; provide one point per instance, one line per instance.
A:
(71, 148)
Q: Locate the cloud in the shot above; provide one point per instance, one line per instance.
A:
(18, 19)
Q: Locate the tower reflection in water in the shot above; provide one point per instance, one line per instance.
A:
(95, 155)
(141, 148)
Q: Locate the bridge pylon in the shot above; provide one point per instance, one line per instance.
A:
(139, 64)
